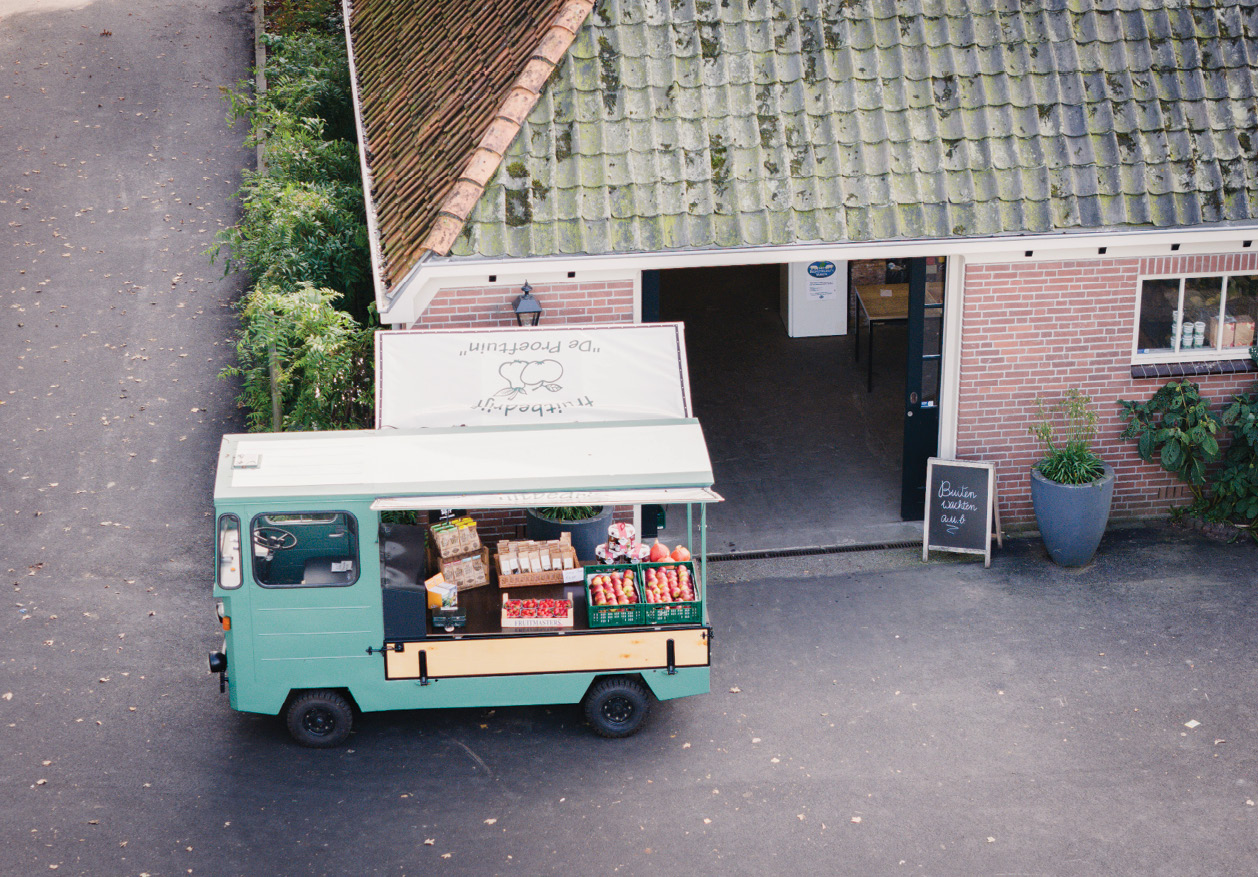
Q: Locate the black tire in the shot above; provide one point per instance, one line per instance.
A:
(617, 707)
(319, 719)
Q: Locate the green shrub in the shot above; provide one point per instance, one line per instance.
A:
(1235, 486)
(304, 350)
(1177, 429)
(297, 16)
(307, 74)
(320, 360)
(293, 232)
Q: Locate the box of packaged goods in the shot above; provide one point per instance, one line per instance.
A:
(468, 571)
(525, 563)
(1244, 334)
(1221, 334)
(530, 614)
(612, 597)
(455, 538)
(670, 593)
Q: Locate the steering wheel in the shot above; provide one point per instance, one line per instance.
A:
(274, 538)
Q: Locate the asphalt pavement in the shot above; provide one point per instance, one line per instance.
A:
(870, 714)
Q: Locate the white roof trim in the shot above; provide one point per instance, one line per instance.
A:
(417, 289)
(373, 223)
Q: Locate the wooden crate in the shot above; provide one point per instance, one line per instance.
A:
(455, 576)
(543, 577)
(549, 623)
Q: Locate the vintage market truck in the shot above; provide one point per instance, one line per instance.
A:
(324, 608)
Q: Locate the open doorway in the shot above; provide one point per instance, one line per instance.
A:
(806, 437)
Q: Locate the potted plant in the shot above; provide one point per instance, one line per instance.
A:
(586, 523)
(1071, 487)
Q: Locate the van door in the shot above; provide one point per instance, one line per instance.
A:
(314, 609)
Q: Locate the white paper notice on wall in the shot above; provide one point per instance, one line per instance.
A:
(822, 282)
(515, 376)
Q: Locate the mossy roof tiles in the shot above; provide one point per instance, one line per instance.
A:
(726, 123)
(442, 90)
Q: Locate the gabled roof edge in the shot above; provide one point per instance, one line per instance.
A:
(373, 223)
(523, 95)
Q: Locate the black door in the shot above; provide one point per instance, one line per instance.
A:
(921, 382)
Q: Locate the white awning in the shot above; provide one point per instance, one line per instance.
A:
(623, 459)
(560, 498)
(539, 376)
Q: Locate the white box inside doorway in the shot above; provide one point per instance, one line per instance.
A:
(814, 298)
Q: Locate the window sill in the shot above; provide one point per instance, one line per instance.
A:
(1192, 369)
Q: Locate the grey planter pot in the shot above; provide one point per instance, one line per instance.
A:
(1072, 517)
(586, 535)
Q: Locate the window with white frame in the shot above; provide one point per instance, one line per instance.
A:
(1196, 317)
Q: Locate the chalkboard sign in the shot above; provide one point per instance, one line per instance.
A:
(960, 505)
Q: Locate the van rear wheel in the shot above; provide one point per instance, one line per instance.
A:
(617, 707)
(319, 719)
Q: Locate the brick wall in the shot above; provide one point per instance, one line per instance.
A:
(1039, 329)
(584, 301)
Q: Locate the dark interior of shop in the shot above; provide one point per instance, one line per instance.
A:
(805, 454)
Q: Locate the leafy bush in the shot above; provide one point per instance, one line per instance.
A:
(1068, 458)
(299, 16)
(1235, 485)
(319, 359)
(304, 348)
(1177, 429)
(307, 74)
(294, 232)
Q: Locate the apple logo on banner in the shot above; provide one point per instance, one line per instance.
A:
(523, 375)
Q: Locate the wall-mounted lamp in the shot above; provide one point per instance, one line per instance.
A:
(528, 310)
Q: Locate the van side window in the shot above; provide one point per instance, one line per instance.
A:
(305, 549)
(229, 572)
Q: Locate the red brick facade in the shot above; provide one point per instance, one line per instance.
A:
(576, 301)
(1039, 329)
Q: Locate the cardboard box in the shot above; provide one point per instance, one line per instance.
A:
(1244, 335)
(1225, 332)
(440, 592)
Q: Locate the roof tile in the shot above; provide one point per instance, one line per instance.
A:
(689, 123)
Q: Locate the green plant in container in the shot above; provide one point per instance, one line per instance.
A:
(1071, 487)
(587, 525)
(1066, 430)
(571, 513)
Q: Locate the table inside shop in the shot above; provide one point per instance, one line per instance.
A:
(881, 304)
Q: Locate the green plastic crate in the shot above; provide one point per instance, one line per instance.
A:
(674, 611)
(615, 616)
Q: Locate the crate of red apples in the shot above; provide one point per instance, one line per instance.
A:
(670, 589)
(535, 613)
(612, 596)
(663, 591)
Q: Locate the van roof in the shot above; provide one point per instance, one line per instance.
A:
(642, 461)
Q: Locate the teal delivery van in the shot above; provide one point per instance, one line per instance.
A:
(324, 607)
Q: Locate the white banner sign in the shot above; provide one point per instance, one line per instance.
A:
(464, 377)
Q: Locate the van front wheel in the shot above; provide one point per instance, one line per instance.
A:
(319, 719)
